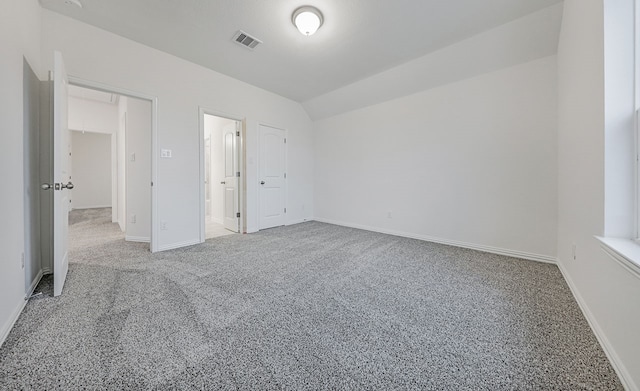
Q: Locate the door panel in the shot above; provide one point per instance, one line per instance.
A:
(271, 177)
(60, 175)
(31, 133)
(230, 183)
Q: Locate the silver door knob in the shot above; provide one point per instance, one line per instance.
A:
(46, 186)
(67, 186)
(262, 182)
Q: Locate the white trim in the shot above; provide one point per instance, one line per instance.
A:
(472, 246)
(140, 239)
(114, 176)
(636, 117)
(202, 111)
(154, 144)
(616, 363)
(624, 251)
(297, 221)
(6, 328)
(178, 245)
(90, 207)
(155, 221)
(34, 284)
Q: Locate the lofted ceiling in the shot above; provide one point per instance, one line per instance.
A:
(359, 38)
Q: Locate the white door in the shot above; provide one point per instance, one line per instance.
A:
(272, 177)
(207, 178)
(61, 182)
(230, 182)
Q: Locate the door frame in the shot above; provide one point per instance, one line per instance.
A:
(286, 170)
(153, 245)
(240, 150)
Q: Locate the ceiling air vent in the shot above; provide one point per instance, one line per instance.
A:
(244, 39)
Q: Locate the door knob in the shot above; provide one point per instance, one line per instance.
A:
(262, 182)
(223, 183)
(46, 186)
(69, 185)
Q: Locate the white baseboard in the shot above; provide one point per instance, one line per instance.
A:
(46, 270)
(6, 328)
(297, 221)
(178, 245)
(91, 207)
(614, 359)
(472, 246)
(141, 239)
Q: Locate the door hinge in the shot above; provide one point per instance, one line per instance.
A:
(238, 174)
(285, 210)
(285, 175)
(237, 133)
(238, 214)
(151, 184)
(285, 140)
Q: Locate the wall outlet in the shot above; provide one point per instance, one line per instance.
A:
(133, 157)
(133, 219)
(163, 226)
(573, 251)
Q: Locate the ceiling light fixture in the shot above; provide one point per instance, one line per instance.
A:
(307, 19)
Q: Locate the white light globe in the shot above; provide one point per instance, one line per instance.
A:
(307, 22)
(307, 19)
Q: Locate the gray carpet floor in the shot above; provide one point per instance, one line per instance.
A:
(310, 306)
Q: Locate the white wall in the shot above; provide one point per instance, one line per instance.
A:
(19, 36)
(181, 87)
(91, 167)
(472, 163)
(101, 118)
(608, 293)
(138, 168)
(92, 116)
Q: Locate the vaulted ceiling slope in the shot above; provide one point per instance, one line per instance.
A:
(525, 39)
(359, 38)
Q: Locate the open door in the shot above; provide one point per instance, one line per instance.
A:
(61, 184)
(230, 194)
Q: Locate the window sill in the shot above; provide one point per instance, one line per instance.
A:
(625, 251)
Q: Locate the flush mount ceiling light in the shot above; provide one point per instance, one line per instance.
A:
(307, 19)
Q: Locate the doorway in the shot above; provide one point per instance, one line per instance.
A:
(110, 159)
(221, 200)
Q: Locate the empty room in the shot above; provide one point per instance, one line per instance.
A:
(363, 194)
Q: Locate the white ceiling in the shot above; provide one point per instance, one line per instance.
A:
(359, 38)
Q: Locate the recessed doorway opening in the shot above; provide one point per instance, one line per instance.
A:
(221, 173)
